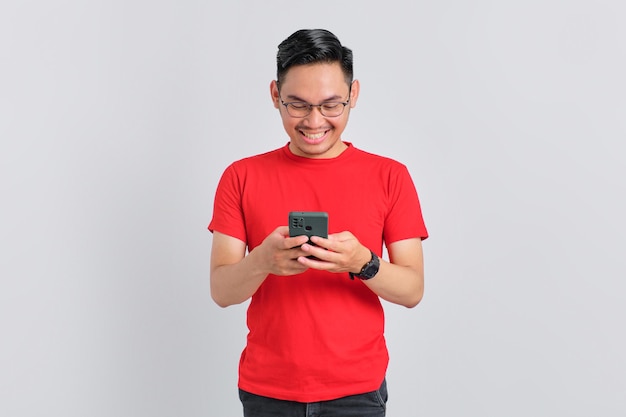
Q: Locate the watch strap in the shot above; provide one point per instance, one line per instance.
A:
(369, 270)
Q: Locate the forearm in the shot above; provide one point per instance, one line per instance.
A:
(235, 277)
(397, 284)
(235, 283)
(399, 281)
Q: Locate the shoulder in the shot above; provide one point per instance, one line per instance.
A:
(259, 158)
(255, 161)
(377, 160)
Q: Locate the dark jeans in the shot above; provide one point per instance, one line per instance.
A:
(370, 404)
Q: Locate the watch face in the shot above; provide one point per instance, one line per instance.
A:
(371, 269)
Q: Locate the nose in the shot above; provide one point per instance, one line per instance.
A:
(315, 117)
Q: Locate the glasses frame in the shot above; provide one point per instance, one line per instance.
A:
(319, 106)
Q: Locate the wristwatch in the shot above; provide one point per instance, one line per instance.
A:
(369, 270)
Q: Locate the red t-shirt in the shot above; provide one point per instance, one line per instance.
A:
(318, 335)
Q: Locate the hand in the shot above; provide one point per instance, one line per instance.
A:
(341, 252)
(279, 253)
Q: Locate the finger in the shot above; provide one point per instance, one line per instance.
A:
(283, 230)
(316, 263)
(321, 242)
(296, 241)
(310, 261)
(297, 252)
(317, 252)
(341, 236)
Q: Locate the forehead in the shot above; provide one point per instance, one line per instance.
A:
(315, 80)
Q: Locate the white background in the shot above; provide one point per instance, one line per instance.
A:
(118, 117)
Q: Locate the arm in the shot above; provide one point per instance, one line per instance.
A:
(235, 277)
(400, 281)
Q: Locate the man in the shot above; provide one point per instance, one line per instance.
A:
(315, 344)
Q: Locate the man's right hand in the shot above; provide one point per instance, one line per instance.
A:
(279, 252)
(235, 276)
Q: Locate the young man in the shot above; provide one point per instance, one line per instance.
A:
(316, 343)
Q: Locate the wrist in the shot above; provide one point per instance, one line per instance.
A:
(369, 269)
(365, 255)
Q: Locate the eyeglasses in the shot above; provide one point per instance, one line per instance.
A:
(327, 109)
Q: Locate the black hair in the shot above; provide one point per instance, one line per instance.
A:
(308, 46)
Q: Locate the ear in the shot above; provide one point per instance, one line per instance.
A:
(354, 93)
(274, 93)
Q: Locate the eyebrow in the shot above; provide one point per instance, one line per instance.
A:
(296, 98)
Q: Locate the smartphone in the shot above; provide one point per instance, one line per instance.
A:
(310, 223)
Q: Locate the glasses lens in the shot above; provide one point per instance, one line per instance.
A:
(332, 109)
(298, 109)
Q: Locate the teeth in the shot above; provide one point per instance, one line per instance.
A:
(314, 136)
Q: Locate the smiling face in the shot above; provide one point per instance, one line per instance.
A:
(315, 136)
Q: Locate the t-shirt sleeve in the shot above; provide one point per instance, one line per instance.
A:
(404, 219)
(227, 210)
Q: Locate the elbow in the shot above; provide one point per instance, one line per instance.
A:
(223, 299)
(220, 302)
(413, 302)
(415, 298)
(220, 298)
(219, 295)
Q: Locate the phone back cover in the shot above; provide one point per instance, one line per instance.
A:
(310, 223)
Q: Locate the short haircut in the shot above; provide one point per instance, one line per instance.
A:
(309, 46)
